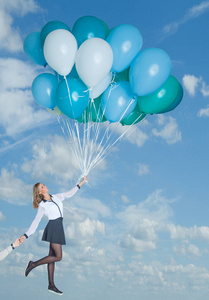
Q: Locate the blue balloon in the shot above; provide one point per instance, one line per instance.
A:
(118, 101)
(72, 97)
(51, 26)
(126, 42)
(44, 90)
(149, 71)
(33, 48)
(177, 101)
(89, 27)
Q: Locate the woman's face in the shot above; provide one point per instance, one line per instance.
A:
(42, 189)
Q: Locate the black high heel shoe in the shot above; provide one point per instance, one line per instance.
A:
(29, 268)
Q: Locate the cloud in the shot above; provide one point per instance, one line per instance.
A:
(51, 155)
(190, 83)
(91, 207)
(187, 249)
(205, 89)
(18, 113)
(183, 233)
(192, 13)
(143, 221)
(133, 134)
(143, 169)
(170, 132)
(2, 217)
(10, 38)
(125, 199)
(14, 190)
(203, 112)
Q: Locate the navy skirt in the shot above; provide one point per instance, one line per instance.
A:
(54, 232)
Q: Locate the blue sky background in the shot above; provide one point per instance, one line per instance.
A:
(140, 228)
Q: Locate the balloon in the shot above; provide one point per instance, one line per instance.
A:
(125, 41)
(118, 101)
(161, 99)
(149, 70)
(93, 112)
(122, 76)
(97, 90)
(176, 101)
(51, 26)
(89, 27)
(94, 61)
(33, 49)
(44, 89)
(60, 49)
(135, 117)
(72, 97)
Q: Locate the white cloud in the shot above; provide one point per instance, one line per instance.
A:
(14, 190)
(170, 132)
(91, 207)
(2, 217)
(18, 113)
(143, 221)
(180, 232)
(205, 89)
(143, 169)
(125, 199)
(203, 112)
(51, 157)
(10, 38)
(133, 134)
(192, 13)
(187, 249)
(190, 83)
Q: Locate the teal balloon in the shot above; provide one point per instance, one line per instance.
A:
(122, 76)
(160, 100)
(177, 101)
(135, 117)
(33, 48)
(72, 97)
(89, 27)
(149, 71)
(126, 42)
(44, 90)
(51, 26)
(118, 101)
(93, 112)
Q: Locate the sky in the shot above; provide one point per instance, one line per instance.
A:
(140, 227)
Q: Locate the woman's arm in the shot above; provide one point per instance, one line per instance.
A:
(72, 192)
(34, 224)
(5, 252)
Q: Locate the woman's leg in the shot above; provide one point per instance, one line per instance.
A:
(50, 268)
(55, 255)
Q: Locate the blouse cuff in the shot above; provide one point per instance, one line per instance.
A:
(25, 235)
(78, 186)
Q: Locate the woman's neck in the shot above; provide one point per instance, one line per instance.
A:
(46, 196)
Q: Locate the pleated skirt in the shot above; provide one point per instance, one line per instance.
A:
(54, 232)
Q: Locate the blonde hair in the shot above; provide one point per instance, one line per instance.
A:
(37, 198)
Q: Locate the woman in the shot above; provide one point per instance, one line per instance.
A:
(52, 207)
(9, 249)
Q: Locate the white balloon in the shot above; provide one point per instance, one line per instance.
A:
(94, 61)
(97, 90)
(60, 48)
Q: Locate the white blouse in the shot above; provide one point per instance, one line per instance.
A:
(5, 252)
(53, 209)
